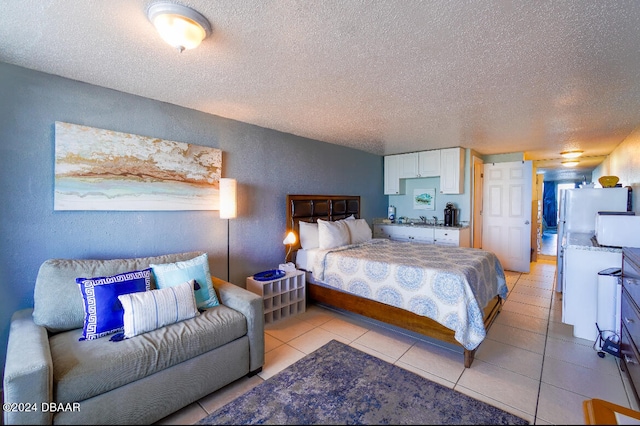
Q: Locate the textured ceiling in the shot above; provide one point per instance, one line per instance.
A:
(385, 77)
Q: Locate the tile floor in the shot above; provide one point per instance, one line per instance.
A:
(530, 364)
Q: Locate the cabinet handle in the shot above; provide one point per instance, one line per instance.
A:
(628, 320)
(628, 360)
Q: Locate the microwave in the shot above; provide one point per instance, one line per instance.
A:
(618, 229)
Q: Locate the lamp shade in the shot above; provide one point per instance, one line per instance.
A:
(290, 238)
(228, 206)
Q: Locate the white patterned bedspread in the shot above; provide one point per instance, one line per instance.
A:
(451, 285)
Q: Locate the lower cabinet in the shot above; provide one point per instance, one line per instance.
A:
(630, 317)
(424, 234)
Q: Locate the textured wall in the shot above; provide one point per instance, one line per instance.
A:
(267, 164)
(624, 162)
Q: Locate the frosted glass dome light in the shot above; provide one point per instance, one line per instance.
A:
(181, 27)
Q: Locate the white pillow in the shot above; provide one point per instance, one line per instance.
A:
(148, 310)
(308, 235)
(359, 231)
(332, 234)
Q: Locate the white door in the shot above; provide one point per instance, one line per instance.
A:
(506, 217)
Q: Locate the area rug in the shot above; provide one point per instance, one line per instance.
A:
(338, 384)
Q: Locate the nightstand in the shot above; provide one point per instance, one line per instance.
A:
(283, 297)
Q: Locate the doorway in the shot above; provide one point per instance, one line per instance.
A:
(550, 216)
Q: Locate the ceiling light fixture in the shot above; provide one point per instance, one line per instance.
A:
(570, 163)
(181, 27)
(571, 154)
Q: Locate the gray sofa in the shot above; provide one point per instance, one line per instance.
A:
(140, 380)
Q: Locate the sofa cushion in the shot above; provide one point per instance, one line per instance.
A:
(170, 274)
(103, 312)
(82, 370)
(148, 310)
(57, 303)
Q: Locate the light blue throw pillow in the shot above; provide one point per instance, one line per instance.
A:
(172, 274)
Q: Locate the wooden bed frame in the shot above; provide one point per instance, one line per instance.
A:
(310, 208)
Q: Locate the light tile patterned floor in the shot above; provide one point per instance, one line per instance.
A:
(530, 364)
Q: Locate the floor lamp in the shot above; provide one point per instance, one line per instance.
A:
(228, 208)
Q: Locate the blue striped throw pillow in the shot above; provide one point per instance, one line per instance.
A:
(150, 310)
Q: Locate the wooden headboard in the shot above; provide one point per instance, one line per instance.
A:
(310, 208)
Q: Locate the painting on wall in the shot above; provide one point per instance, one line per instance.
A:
(98, 169)
(424, 199)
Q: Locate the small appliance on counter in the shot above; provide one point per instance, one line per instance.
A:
(617, 229)
(450, 215)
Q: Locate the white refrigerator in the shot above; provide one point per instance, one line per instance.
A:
(580, 258)
(578, 209)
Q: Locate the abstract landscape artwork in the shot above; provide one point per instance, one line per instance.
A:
(98, 169)
(424, 199)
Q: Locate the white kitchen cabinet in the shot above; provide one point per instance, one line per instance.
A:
(404, 233)
(452, 171)
(429, 163)
(424, 234)
(382, 231)
(408, 165)
(446, 163)
(419, 164)
(392, 175)
(580, 288)
(455, 237)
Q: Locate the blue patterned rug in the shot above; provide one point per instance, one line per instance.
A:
(338, 384)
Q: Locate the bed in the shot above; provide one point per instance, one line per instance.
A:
(451, 294)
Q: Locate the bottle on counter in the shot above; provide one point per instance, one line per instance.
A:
(391, 214)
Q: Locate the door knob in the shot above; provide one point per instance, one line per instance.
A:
(526, 222)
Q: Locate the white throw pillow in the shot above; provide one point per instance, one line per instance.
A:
(359, 231)
(148, 310)
(308, 235)
(332, 234)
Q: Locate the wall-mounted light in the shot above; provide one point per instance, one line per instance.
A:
(571, 154)
(570, 163)
(181, 27)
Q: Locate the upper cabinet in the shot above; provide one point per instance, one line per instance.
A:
(429, 163)
(408, 165)
(391, 175)
(446, 163)
(452, 171)
(419, 164)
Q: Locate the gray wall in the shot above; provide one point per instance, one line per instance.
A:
(267, 165)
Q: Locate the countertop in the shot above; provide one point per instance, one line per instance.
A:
(422, 225)
(586, 241)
